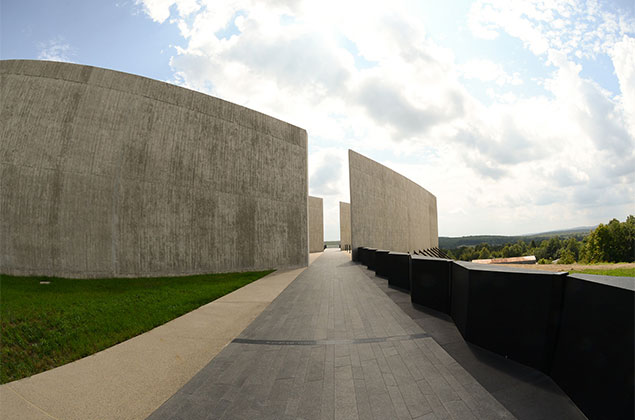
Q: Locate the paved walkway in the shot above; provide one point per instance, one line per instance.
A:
(332, 345)
(130, 380)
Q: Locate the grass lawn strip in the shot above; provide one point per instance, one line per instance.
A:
(49, 325)
(620, 272)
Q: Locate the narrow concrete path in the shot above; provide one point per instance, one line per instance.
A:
(333, 346)
(133, 378)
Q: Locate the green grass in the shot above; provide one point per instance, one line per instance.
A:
(620, 272)
(48, 325)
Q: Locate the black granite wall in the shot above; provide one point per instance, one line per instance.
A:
(511, 312)
(430, 282)
(593, 360)
(399, 270)
(579, 329)
(381, 262)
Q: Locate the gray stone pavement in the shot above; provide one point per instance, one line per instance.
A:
(332, 345)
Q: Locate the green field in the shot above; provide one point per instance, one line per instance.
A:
(620, 272)
(48, 325)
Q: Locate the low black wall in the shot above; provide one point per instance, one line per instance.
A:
(511, 312)
(370, 258)
(430, 282)
(459, 296)
(399, 270)
(594, 354)
(579, 329)
(357, 254)
(360, 255)
(381, 262)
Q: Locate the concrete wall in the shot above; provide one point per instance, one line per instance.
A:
(345, 225)
(104, 173)
(389, 211)
(316, 224)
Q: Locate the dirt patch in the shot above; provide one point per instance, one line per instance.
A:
(570, 267)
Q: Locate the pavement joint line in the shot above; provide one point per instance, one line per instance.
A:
(31, 404)
(330, 342)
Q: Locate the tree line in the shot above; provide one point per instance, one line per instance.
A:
(613, 242)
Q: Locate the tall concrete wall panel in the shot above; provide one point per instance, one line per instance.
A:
(345, 225)
(389, 211)
(109, 174)
(316, 224)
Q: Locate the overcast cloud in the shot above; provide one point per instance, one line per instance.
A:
(519, 131)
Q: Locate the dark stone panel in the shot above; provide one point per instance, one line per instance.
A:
(398, 267)
(593, 360)
(358, 254)
(512, 312)
(430, 282)
(579, 329)
(526, 392)
(459, 285)
(363, 255)
(370, 258)
(381, 262)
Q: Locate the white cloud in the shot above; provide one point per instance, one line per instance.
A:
(578, 27)
(56, 49)
(623, 56)
(489, 71)
(159, 10)
(328, 179)
(526, 161)
(327, 167)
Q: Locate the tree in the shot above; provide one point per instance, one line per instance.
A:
(522, 245)
(506, 252)
(567, 257)
(550, 249)
(573, 249)
(484, 254)
(614, 242)
(553, 248)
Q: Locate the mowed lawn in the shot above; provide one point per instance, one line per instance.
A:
(620, 272)
(48, 325)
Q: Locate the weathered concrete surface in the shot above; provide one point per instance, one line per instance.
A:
(104, 173)
(389, 211)
(316, 224)
(345, 225)
(133, 378)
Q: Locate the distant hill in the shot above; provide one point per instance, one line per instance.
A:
(581, 230)
(446, 242)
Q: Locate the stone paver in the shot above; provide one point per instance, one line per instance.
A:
(332, 345)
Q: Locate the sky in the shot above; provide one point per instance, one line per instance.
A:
(519, 116)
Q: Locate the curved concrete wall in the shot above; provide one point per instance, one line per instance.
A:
(389, 211)
(109, 174)
(316, 224)
(345, 225)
